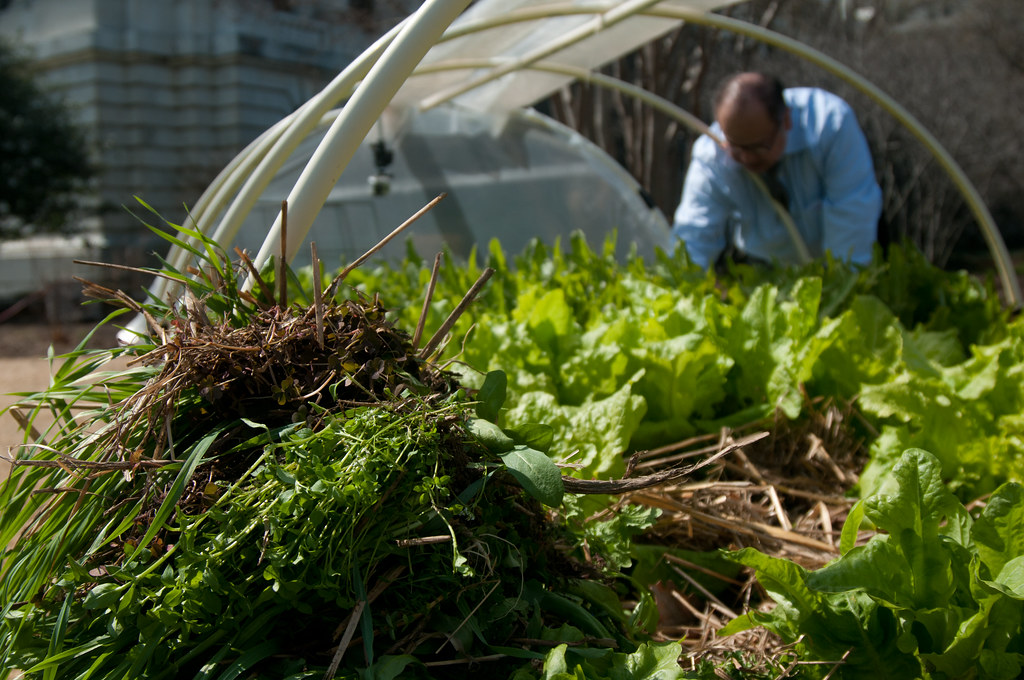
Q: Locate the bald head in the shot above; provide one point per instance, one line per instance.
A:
(752, 91)
(752, 113)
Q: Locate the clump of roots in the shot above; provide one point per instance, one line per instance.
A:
(279, 365)
(284, 364)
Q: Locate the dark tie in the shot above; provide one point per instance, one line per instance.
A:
(775, 188)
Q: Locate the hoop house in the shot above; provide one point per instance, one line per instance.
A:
(498, 172)
(441, 105)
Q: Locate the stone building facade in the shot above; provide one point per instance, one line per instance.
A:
(169, 92)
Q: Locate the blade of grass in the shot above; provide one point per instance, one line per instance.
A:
(56, 660)
(178, 487)
(57, 639)
(249, 659)
(208, 669)
(200, 648)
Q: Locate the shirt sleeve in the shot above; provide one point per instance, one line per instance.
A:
(853, 199)
(704, 211)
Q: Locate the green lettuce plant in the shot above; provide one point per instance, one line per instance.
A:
(617, 354)
(936, 593)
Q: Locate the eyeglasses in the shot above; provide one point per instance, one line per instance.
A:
(757, 148)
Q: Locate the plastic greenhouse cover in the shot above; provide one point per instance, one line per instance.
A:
(508, 172)
(514, 177)
(514, 41)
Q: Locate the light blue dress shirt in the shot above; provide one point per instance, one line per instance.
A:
(828, 173)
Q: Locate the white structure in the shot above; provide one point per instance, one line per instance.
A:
(492, 57)
(174, 87)
(512, 176)
(450, 92)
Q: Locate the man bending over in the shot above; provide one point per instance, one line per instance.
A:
(801, 148)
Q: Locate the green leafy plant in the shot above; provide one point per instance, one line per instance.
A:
(202, 512)
(621, 356)
(649, 662)
(936, 593)
(270, 482)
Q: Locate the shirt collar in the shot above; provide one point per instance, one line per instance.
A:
(796, 137)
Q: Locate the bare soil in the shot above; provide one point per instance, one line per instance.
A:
(24, 366)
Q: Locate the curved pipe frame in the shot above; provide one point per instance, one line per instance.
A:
(1004, 265)
(268, 152)
(656, 102)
